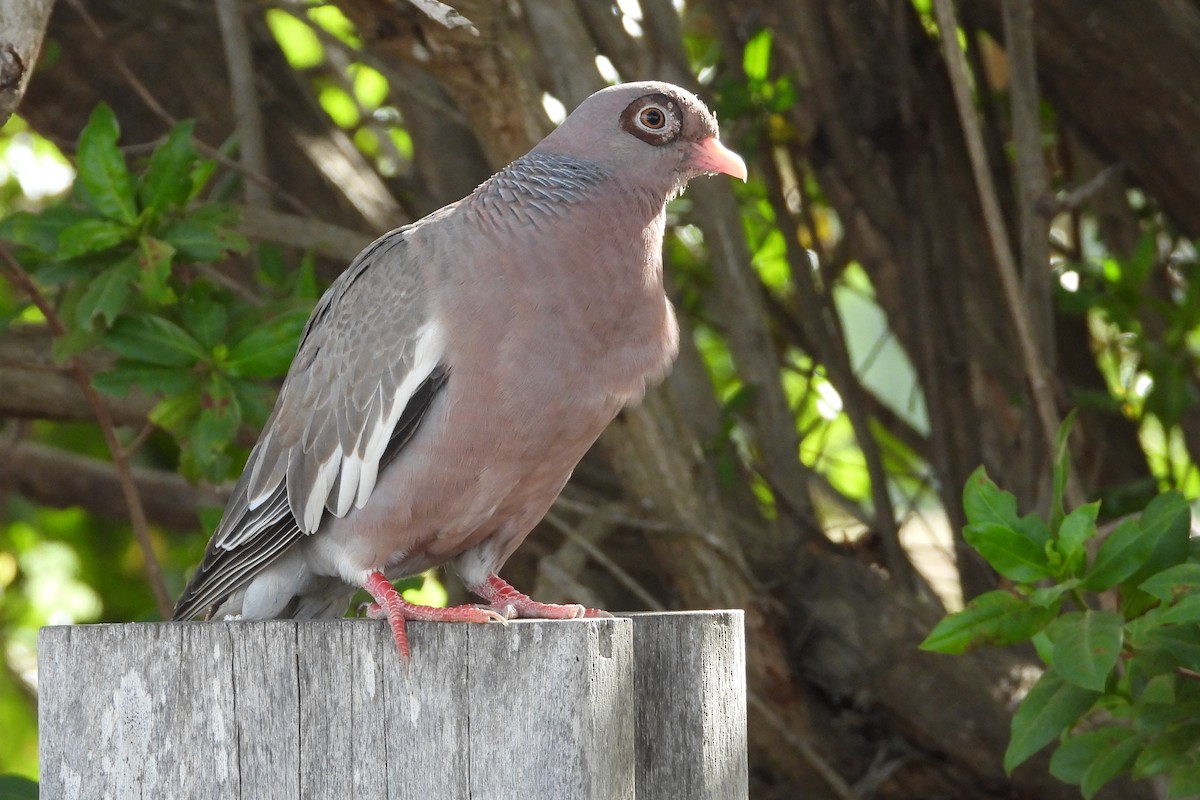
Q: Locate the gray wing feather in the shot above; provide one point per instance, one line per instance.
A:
(368, 365)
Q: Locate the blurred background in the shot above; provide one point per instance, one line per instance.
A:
(907, 287)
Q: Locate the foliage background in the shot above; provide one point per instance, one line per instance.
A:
(851, 357)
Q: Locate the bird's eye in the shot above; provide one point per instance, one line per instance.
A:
(656, 118)
(653, 118)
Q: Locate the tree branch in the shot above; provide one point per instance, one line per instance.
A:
(54, 477)
(323, 238)
(1032, 186)
(22, 27)
(240, 65)
(444, 14)
(159, 111)
(1030, 354)
(38, 387)
(133, 500)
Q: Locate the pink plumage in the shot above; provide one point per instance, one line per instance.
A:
(450, 380)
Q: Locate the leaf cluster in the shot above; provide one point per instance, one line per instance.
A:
(1116, 620)
(126, 262)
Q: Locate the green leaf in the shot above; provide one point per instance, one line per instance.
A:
(993, 618)
(1173, 582)
(77, 337)
(256, 400)
(1079, 752)
(1051, 706)
(370, 87)
(1048, 596)
(1073, 533)
(1012, 553)
(1117, 761)
(167, 183)
(204, 315)
(154, 270)
(105, 296)
(214, 428)
(267, 351)
(125, 375)
(203, 238)
(297, 39)
(1062, 469)
(984, 503)
(1182, 642)
(1185, 781)
(1186, 609)
(154, 340)
(1122, 553)
(1160, 690)
(175, 413)
(102, 181)
(43, 231)
(1135, 602)
(1087, 645)
(17, 787)
(201, 174)
(1044, 647)
(756, 56)
(1168, 521)
(1164, 715)
(1166, 752)
(219, 416)
(91, 235)
(1137, 550)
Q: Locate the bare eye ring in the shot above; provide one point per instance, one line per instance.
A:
(652, 118)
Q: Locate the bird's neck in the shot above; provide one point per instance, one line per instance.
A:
(541, 188)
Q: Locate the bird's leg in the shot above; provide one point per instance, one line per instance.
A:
(511, 603)
(390, 605)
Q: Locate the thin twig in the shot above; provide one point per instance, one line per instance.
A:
(1030, 169)
(152, 103)
(807, 752)
(1072, 200)
(133, 500)
(820, 317)
(252, 152)
(726, 552)
(1035, 372)
(601, 558)
(445, 14)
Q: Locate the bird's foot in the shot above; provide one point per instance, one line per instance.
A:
(390, 605)
(506, 600)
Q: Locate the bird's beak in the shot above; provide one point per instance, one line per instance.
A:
(712, 156)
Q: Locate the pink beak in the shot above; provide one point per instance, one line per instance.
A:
(712, 156)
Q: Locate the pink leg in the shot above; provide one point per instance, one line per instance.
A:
(391, 605)
(511, 603)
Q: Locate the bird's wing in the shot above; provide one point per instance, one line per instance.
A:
(369, 364)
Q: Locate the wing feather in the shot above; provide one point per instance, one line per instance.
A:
(370, 361)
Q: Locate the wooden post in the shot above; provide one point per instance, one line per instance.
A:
(536, 710)
(690, 677)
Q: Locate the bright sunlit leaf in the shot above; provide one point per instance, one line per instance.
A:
(339, 105)
(299, 43)
(370, 87)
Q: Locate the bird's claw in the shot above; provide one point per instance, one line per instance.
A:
(502, 615)
(506, 611)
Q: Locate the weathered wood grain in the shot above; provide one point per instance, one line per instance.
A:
(690, 679)
(280, 709)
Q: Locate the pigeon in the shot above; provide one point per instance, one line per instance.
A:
(449, 381)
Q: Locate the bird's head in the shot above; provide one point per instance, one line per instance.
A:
(648, 133)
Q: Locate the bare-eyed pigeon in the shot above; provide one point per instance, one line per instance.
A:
(450, 380)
